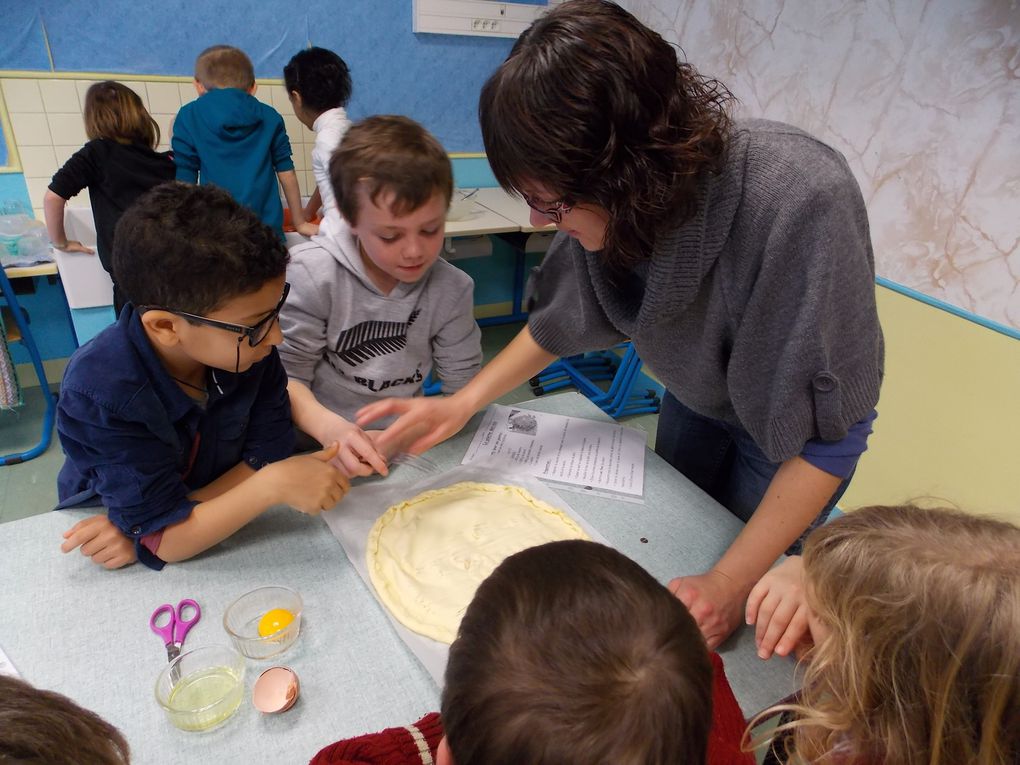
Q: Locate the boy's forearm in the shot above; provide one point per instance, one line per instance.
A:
(796, 495)
(521, 360)
(53, 210)
(233, 477)
(214, 520)
(291, 192)
(308, 414)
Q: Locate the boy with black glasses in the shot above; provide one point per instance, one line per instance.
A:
(176, 419)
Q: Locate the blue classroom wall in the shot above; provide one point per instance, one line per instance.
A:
(433, 78)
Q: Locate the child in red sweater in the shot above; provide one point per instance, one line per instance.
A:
(570, 653)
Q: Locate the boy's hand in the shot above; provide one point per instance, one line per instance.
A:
(306, 228)
(100, 540)
(73, 245)
(309, 482)
(358, 454)
(778, 609)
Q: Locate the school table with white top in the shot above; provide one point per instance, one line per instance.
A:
(74, 627)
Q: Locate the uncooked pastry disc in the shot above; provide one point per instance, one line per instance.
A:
(427, 556)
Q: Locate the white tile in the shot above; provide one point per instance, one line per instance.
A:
(39, 213)
(37, 190)
(187, 91)
(138, 86)
(67, 128)
(59, 96)
(38, 161)
(263, 94)
(82, 86)
(63, 153)
(164, 97)
(166, 126)
(30, 129)
(305, 150)
(299, 158)
(294, 128)
(22, 96)
(280, 101)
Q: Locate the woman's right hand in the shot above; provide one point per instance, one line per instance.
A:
(422, 423)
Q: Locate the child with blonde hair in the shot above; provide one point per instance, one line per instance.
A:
(117, 165)
(915, 618)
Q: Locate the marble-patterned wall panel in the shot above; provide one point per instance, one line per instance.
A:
(923, 98)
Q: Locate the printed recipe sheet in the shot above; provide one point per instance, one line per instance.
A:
(567, 450)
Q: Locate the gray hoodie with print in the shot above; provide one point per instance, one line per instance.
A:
(353, 345)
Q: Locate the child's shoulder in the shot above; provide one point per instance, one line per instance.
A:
(446, 274)
(106, 367)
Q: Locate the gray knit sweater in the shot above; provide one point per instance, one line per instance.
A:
(758, 311)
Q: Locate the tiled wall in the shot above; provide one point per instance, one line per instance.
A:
(46, 117)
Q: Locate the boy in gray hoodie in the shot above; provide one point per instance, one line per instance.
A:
(372, 307)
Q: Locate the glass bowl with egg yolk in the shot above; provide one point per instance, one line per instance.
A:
(264, 622)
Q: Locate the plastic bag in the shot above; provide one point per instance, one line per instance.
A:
(23, 241)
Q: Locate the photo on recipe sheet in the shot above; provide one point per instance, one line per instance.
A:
(592, 455)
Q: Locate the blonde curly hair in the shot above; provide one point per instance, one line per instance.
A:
(922, 661)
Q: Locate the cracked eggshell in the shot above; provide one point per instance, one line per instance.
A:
(276, 690)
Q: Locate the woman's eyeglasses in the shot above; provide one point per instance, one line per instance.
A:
(554, 211)
(255, 333)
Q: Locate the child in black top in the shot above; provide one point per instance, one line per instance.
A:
(117, 165)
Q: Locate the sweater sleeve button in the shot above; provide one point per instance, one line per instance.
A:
(824, 382)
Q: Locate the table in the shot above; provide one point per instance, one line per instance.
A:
(515, 210)
(74, 627)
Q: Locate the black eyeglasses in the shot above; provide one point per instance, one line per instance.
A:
(554, 211)
(255, 334)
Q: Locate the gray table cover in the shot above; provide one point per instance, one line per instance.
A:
(71, 626)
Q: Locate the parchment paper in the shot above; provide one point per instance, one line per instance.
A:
(351, 520)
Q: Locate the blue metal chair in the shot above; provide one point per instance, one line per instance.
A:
(582, 372)
(24, 336)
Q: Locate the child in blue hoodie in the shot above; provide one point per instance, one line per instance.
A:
(230, 138)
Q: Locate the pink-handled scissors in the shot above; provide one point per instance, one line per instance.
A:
(177, 626)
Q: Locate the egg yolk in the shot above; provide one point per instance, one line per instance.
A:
(274, 620)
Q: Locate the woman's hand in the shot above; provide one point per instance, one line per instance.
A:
(99, 539)
(778, 609)
(423, 422)
(714, 601)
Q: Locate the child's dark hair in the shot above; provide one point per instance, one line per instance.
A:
(116, 112)
(224, 66)
(389, 153)
(44, 727)
(596, 107)
(191, 248)
(321, 77)
(569, 653)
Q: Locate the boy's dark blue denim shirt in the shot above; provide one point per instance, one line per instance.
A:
(129, 431)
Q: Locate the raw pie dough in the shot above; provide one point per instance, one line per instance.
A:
(427, 556)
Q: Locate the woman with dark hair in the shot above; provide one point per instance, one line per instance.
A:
(735, 255)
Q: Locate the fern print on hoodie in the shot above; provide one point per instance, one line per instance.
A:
(352, 344)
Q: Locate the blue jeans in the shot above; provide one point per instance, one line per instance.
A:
(724, 461)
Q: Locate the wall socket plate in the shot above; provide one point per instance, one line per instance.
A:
(485, 18)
